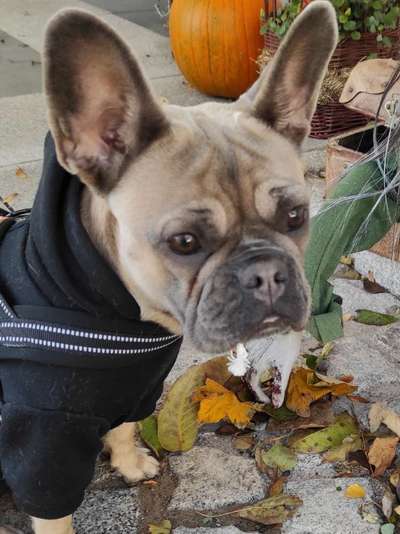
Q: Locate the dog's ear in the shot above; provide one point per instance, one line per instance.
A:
(285, 96)
(102, 112)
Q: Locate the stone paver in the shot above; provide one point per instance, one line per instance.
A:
(108, 512)
(210, 479)
(217, 530)
(371, 354)
(326, 510)
(355, 297)
(23, 128)
(385, 271)
(24, 186)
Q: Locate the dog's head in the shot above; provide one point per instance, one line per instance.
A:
(203, 211)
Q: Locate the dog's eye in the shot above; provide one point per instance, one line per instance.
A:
(184, 244)
(296, 218)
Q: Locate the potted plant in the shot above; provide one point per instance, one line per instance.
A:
(367, 28)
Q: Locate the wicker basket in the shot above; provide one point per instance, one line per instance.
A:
(334, 118)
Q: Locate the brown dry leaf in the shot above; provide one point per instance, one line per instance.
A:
(306, 386)
(358, 398)
(273, 510)
(346, 378)
(371, 286)
(381, 453)
(321, 415)
(217, 369)
(244, 442)
(380, 413)
(217, 402)
(20, 173)
(276, 488)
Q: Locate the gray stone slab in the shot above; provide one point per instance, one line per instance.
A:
(210, 479)
(20, 68)
(108, 512)
(23, 128)
(371, 354)
(385, 271)
(150, 19)
(355, 297)
(120, 6)
(26, 21)
(177, 91)
(326, 510)
(203, 530)
(310, 466)
(25, 187)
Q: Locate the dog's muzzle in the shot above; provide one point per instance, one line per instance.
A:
(258, 291)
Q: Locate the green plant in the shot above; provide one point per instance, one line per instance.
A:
(354, 18)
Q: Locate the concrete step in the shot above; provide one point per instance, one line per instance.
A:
(26, 21)
(23, 127)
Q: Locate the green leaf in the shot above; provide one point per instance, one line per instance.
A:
(279, 414)
(356, 36)
(387, 41)
(377, 4)
(350, 25)
(272, 511)
(343, 19)
(149, 433)
(374, 318)
(163, 528)
(329, 437)
(340, 453)
(311, 360)
(177, 420)
(279, 456)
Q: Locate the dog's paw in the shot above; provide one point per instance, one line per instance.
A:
(138, 466)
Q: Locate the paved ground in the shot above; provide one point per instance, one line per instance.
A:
(213, 475)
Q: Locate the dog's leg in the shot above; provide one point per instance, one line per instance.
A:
(278, 352)
(53, 526)
(134, 463)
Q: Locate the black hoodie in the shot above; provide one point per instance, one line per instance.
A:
(75, 359)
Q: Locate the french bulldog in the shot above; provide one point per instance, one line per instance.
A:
(201, 212)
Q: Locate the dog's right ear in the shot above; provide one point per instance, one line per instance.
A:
(102, 112)
(285, 95)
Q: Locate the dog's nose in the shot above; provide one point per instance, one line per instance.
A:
(266, 279)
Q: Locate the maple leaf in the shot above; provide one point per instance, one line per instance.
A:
(217, 402)
(382, 453)
(380, 413)
(306, 386)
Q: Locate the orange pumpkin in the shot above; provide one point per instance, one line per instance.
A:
(216, 43)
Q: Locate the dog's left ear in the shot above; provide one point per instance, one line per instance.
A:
(285, 95)
(102, 112)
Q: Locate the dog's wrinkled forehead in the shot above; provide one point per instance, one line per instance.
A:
(218, 164)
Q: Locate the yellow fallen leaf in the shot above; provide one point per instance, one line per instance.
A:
(355, 491)
(20, 173)
(163, 528)
(381, 453)
(380, 413)
(306, 386)
(217, 402)
(397, 510)
(9, 199)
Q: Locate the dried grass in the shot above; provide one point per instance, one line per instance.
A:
(332, 86)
